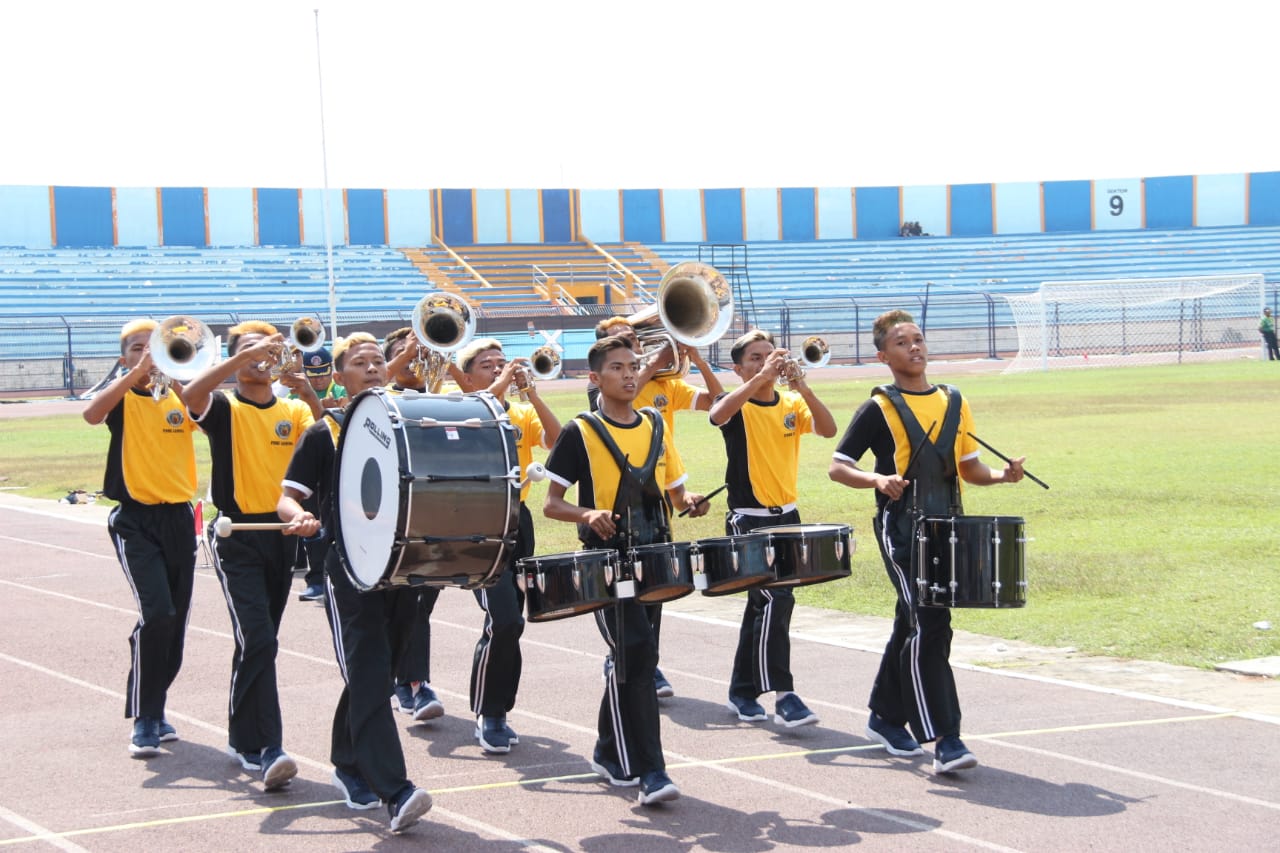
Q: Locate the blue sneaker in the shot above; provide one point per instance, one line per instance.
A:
(355, 792)
(895, 739)
(661, 686)
(314, 592)
(403, 698)
(657, 787)
(409, 805)
(791, 712)
(277, 768)
(747, 709)
(495, 735)
(951, 754)
(426, 705)
(251, 761)
(146, 738)
(606, 769)
(167, 732)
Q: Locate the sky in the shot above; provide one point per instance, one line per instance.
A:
(652, 94)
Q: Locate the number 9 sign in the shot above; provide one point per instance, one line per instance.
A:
(1117, 205)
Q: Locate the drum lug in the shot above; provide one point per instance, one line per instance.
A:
(734, 555)
(608, 573)
(577, 578)
(769, 555)
(804, 551)
(542, 582)
(637, 570)
(840, 543)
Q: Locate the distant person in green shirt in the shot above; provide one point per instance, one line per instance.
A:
(1268, 329)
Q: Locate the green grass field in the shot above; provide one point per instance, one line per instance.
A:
(1158, 539)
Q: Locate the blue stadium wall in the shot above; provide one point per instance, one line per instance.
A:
(75, 217)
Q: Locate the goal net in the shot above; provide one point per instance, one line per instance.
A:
(1135, 321)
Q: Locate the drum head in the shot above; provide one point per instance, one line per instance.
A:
(367, 500)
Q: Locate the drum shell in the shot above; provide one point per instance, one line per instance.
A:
(557, 586)
(734, 563)
(400, 515)
(663, 571)
(988, 573)
(805, 554)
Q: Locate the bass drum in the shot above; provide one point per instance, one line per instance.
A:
(971, 561)
(426, 490)
(805, 554)
(557, 586)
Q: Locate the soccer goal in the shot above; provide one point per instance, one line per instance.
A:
(1135, 321)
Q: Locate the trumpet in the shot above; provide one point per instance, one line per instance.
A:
(444, 324)
(694, 307)
(306, 334)
(181, 348)
(814, 352)
(543, 364)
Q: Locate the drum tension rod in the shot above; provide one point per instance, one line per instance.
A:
(432, 422)
(454, 478)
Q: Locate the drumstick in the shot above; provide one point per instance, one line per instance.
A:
(224, 526)
(705, 498)
(1032, 477)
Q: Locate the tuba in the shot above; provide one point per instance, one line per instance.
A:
(181, 348)
(694, 307)
(443, 323)
(814, 352)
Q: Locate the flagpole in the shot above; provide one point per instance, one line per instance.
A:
(324, 161)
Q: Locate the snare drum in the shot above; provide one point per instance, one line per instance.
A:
(663, 571)
(426, 490)
(805, 554)
(971, 561)
(557, 586)
(732, 563)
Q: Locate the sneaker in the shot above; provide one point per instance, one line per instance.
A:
(608, 770)
(951, 754)
(314, 592)
(277, 768)
(608, 667)
(661, 686)
(791, 712)
(146, 738)
(495, 735)
(896, 739)
(403, 698)
(657, 787)
(167, 732)
(426, 705)
(251, 761)
(411, 804)
(747, 709)
(355, 792)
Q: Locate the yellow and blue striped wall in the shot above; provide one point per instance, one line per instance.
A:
(196, 216)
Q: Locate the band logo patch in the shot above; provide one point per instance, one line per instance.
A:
(284, 429)
(789, 421)
(174, 418)
(660, 401)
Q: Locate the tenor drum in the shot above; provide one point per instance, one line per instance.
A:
(426, 490)
(731, 564)
(971, 561)
(662, 571)
(557, 586)
(805, 554)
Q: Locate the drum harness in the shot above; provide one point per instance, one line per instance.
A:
(638, 495)
(934, 486)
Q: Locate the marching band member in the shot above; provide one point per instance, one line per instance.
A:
(620, 503)
(151, 473)
(252, 434)
(413, 694)
(372, 631)
(915, 684)
(762, 429)
(667, 394)
(495, 667)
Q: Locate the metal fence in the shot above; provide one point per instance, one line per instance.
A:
(69, 354)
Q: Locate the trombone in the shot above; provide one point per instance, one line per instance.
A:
(181, 348)
(694, 307)
(814, 352)
(444, 324)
